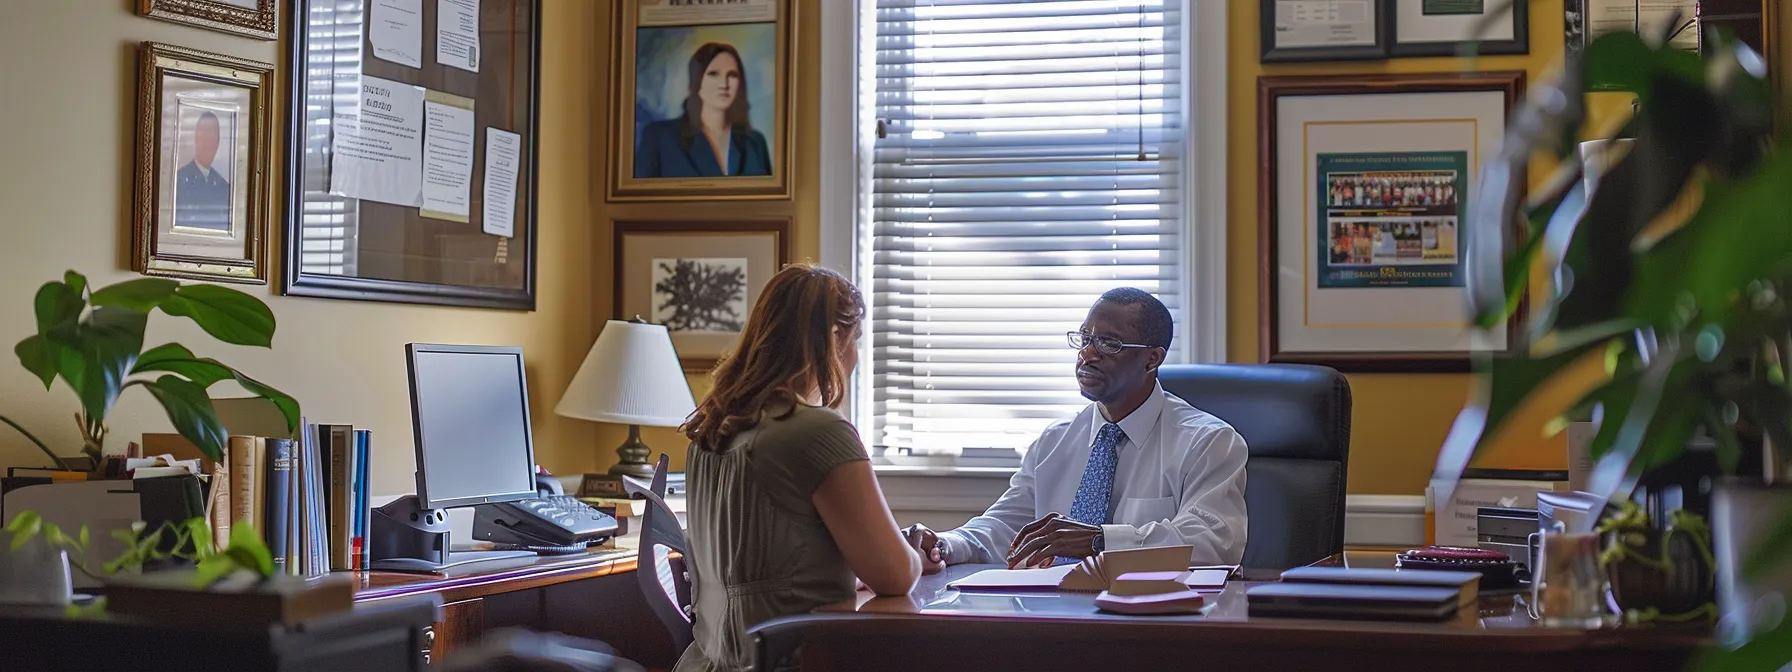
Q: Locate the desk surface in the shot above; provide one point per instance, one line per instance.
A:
(479, 579)
(1035, 631)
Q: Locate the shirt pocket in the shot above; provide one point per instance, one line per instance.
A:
(1141, 510)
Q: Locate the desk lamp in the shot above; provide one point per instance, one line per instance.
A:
(631, 376)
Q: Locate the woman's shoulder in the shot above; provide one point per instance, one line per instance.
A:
(656, 130)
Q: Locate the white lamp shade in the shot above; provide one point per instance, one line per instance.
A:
(631, 376)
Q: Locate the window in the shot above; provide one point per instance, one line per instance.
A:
(1028, 155)
(328, 224)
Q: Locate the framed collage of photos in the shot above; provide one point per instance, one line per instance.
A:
(1366, 181)
(1349, 30)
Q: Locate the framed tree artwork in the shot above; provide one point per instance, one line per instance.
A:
(1364, 194)
(700, 278)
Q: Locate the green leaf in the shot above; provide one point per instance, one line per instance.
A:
(1618, 61)
(108, 344)
(211, 569)
(85, 538)
(58, 306)
(127, 536)
(1767, 651)
(288, 406)
(227, 314)
(174, 358)
(38, 356)
(75, 281)
(191, 412)
(247, 549)
(53, 534)
(1773, 551)
(24, 531)
(141, 295)
(200, 531)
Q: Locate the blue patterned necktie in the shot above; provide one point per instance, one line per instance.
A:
(1093, 494)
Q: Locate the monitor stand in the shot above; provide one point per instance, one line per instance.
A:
(405, 537)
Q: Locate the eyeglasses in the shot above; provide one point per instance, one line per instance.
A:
(1106, 345)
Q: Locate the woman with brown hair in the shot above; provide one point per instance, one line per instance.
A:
(784, 510)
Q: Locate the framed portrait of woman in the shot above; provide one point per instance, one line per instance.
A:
(703, 100)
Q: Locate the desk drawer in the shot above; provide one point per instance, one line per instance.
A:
(461, 626)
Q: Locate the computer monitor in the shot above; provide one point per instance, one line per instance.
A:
(470, 413)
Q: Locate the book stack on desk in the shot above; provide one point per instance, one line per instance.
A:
(1366, 593)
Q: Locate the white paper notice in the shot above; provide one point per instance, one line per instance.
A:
(377, 144)
(396, 31)
(447, 156)
(503, 153)
(457, 33)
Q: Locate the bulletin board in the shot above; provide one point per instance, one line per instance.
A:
(412, 151)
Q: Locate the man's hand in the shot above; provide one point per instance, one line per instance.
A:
(1051, 537)
(927, 544)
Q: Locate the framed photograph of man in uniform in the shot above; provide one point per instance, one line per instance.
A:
(201, 184)
(702, 102)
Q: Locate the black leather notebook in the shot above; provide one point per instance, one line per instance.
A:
(1358, 602)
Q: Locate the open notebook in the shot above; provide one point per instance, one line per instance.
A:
(1097, 573)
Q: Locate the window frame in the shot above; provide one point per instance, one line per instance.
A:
(1201, 335)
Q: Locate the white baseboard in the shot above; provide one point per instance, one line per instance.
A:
(945, 498)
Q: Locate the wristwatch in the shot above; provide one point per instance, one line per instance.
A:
(939, 546)
(1101, 541)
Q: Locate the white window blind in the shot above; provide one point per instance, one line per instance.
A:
(329, 224)
(1027, 158)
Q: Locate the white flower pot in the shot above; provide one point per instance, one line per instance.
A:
(35, 574)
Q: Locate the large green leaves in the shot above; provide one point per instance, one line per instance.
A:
(177, 359)
(227, 314)
(108, 341)
(191, 412)
(36, 355)
(141, 295)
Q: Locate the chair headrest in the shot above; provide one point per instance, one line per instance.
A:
(1282, 410)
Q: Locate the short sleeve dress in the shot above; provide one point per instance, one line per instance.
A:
(758, 548)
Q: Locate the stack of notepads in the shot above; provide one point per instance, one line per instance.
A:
(1366, 593)
(1135, 581)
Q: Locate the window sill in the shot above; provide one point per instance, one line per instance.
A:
(885, 469)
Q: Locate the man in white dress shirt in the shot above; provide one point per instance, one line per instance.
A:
(1138, 468)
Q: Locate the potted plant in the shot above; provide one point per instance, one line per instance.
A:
(93, 340)
(1674, 273)
(38, 549)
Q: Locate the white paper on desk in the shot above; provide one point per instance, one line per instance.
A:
(457, 33)
(377, 144)
(1013, 579)
(396, 31)
(447, 156)
(503, 151)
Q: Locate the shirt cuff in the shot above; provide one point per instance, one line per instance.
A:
(959, 550)
(1120, 537)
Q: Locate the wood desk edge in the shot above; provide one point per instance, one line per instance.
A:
(503, 578)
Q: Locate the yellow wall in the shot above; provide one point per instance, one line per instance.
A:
(804, 209)
(70, 84)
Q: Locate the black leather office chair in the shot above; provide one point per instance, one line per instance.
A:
(664, 581)
(1296, 421)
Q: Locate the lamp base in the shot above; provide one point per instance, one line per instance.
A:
(632, 456)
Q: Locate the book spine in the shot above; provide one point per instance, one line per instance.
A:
(258, 485)
(242, 480)
(218, 507)
(279, 508)
(363, 494)
(339, 500)
(316, 517)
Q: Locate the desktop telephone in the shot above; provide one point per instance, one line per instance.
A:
(551, 523)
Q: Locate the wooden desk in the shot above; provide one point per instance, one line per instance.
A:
(935, 627)
(592, 595)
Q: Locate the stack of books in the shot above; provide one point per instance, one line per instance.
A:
(1367, 593)
(308, 497)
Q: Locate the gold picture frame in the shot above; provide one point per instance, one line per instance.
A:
(671, 271)
(674, 61)
(250, 18)
(200, 207)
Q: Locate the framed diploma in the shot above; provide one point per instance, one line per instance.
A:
(1363, 193)
(1585, 20)
(1444, 27)
(1323, 30)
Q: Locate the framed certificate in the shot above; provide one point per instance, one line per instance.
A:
(1365, 245)
(1443, 27)
(1323, 30)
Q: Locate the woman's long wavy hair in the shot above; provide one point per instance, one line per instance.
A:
(796, 334)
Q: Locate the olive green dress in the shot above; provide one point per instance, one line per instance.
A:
(758, 549)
